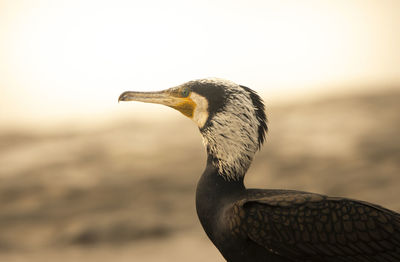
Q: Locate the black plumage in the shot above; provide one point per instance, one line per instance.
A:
(254, 225)
(311, 227)
(282, 225)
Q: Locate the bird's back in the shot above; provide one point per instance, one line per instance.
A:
(301, 226)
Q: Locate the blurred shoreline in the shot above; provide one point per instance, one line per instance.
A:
(114, 113)
(119, 189)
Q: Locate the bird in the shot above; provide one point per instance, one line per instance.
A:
(268, 225)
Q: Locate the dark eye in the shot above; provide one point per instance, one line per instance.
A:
(185, 92)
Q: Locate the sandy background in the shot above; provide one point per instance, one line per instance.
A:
(125, 191)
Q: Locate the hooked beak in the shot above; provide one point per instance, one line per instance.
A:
(167, 97)
(160, 97)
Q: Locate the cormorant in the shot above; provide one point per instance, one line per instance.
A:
(263, 225)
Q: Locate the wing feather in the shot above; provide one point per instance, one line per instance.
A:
(312, 227)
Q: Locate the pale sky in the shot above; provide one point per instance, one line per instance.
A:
(71, 59)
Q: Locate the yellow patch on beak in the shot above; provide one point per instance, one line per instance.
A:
(186, 107)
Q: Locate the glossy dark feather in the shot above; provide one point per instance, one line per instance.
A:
(310, 227)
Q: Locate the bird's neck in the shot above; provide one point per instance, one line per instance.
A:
(230, 154)
(213, 191)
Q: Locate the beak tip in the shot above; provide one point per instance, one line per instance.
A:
(122, 97)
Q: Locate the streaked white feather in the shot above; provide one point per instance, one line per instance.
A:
(232, 135)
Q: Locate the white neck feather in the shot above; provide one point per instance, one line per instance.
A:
(231, 137)
(200, 114)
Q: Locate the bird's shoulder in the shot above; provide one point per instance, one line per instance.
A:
(307, 226)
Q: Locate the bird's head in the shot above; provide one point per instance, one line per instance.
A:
(231, 119)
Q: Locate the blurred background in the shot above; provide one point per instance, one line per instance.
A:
(83, 178)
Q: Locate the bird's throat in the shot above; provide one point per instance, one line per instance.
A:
(213, 191)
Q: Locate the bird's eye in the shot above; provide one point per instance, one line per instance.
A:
(184, 92)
